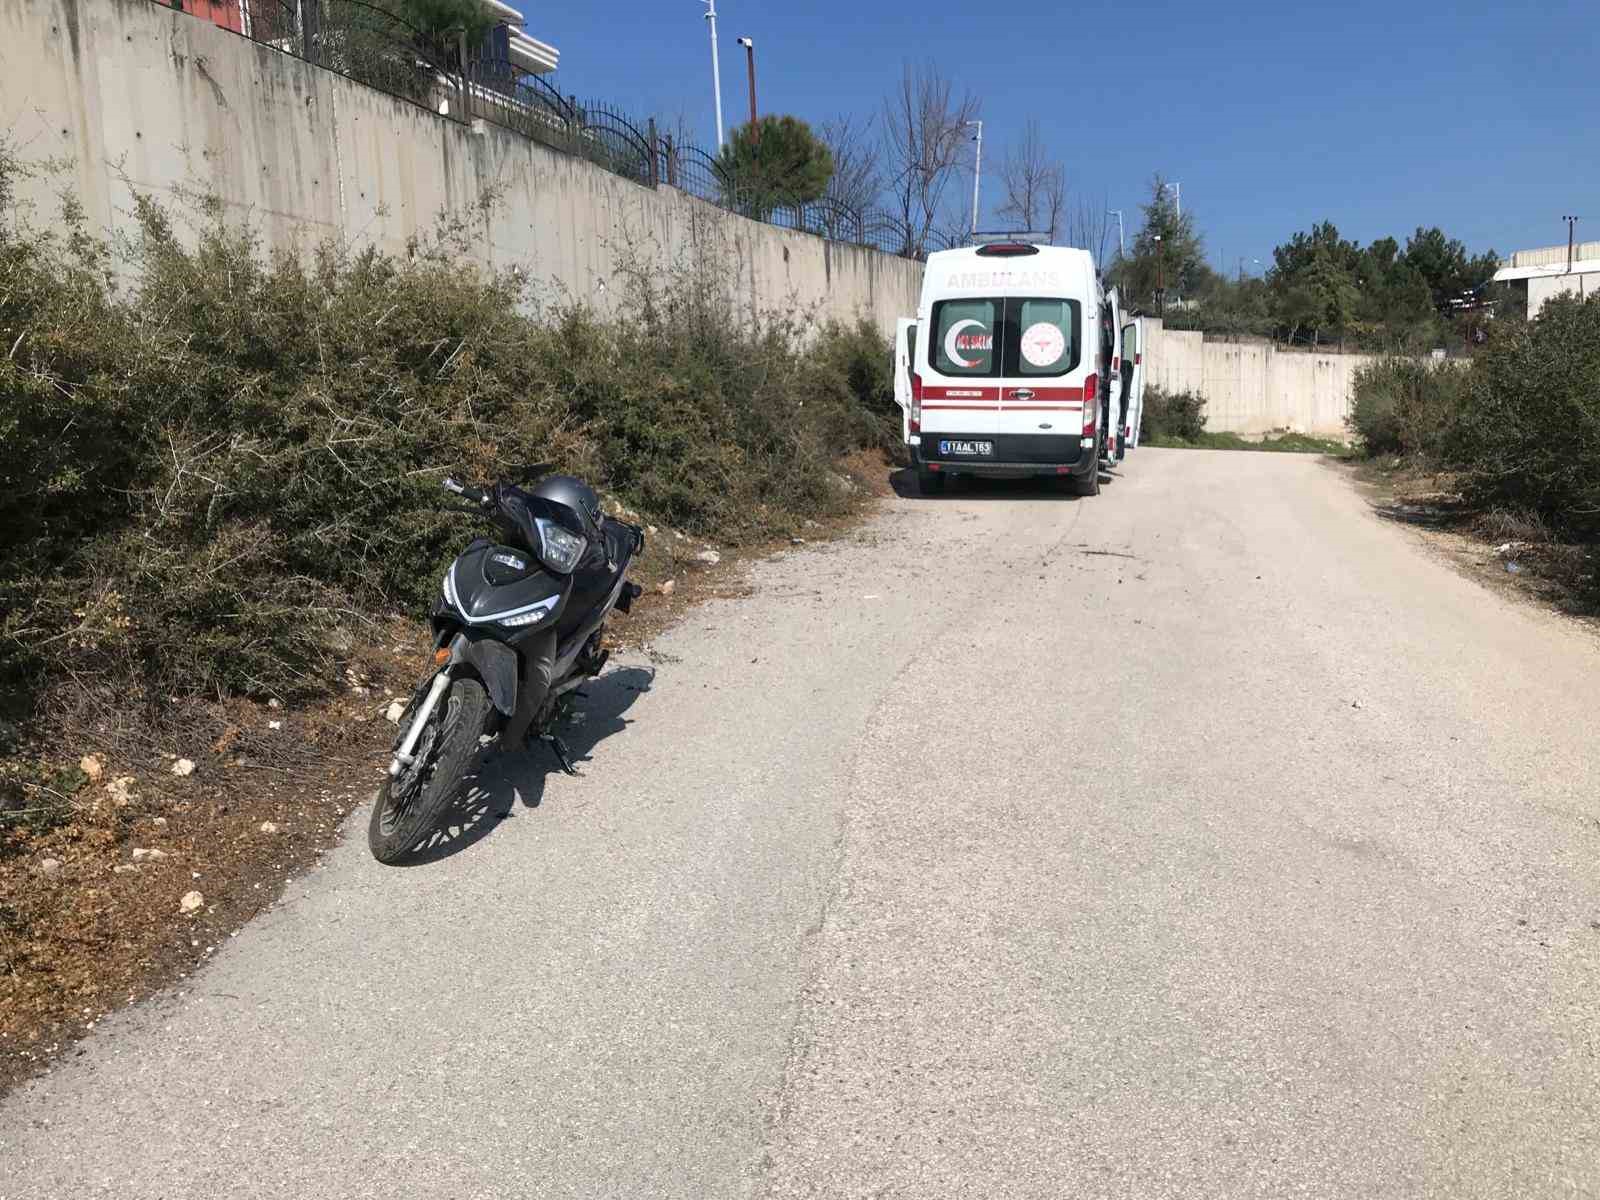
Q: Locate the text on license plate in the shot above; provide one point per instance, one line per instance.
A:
(975, 449)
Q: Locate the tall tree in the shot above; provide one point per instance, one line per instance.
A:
(925, 142)
(776, 162)
(1442, 261)
(1167, 251)
(1034, 184)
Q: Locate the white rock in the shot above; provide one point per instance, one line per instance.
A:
(124, 869)
(668, 587)
(710, 557)
(274, 703)
(184, 766)
(140, 855)
(268, 827)
(395, 712)
(91, 766)
(120, 789)
(50, 868)
(274, 724)
(191, 902)
(159, 821)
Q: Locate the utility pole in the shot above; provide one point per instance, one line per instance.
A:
(749, 45)
(1177, 198)
(1122, 246)
(1572, 224)
(977, 172)
(716, 68)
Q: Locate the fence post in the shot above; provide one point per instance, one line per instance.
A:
(655, 156)
(311, 29)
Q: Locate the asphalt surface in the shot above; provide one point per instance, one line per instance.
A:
(1209, 838)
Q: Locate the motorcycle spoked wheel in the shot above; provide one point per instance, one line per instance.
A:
(411, 805)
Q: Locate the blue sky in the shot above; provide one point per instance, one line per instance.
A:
(1483, 119)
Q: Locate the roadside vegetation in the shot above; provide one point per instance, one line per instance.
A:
(1178, 420)
(1508, 442)
(207, 476)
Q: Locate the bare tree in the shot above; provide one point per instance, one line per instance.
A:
(924, 143)
(857, 168)
(1035, 185)
(1088, 227)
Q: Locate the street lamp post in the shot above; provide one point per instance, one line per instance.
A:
(1572, 226)
(1122, 246)
(716, 68)
(977, 172)
(749, 45)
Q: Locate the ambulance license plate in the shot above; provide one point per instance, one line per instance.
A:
(966, 449)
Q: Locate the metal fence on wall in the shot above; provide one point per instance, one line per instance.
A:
(369, 42)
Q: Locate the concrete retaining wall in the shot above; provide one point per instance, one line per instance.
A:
(1253, 388)
(131, 96)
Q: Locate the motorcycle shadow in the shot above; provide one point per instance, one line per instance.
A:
(506, 778)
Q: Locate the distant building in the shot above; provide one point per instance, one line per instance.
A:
(510, 42)
(507, 53)
(1546, 272)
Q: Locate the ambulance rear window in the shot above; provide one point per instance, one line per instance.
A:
(964, 336)
(1046, 337)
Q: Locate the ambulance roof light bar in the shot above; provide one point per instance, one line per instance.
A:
(978, 236)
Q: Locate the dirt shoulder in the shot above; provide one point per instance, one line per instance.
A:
(1510, 553)
(128, 875)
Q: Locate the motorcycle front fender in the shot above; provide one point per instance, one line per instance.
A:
(495, 663)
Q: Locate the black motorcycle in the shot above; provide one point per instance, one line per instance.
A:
(517, 627)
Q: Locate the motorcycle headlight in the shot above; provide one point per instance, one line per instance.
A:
(535, 614)
(560, 549)
(449, 589)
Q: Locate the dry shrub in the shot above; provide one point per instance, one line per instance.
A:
(208, 482)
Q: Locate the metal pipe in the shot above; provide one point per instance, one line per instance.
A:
(749, 45)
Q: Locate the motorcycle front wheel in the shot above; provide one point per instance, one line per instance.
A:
(410, 806)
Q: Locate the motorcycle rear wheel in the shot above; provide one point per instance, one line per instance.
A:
(410, 807)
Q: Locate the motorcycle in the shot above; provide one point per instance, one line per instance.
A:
(518, 626)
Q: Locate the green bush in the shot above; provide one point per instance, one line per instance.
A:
(205, 483)
(1528, 433)
(1405, 405)
(1172, 416)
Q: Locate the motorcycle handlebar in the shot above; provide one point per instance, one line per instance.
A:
(467, 492)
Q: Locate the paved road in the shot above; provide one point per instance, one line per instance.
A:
(1208, 838)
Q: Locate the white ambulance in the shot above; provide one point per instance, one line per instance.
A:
(1005, 368)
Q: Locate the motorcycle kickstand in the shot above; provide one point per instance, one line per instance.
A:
(563, 755)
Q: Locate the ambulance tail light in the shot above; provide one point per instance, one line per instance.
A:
(916, 403)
